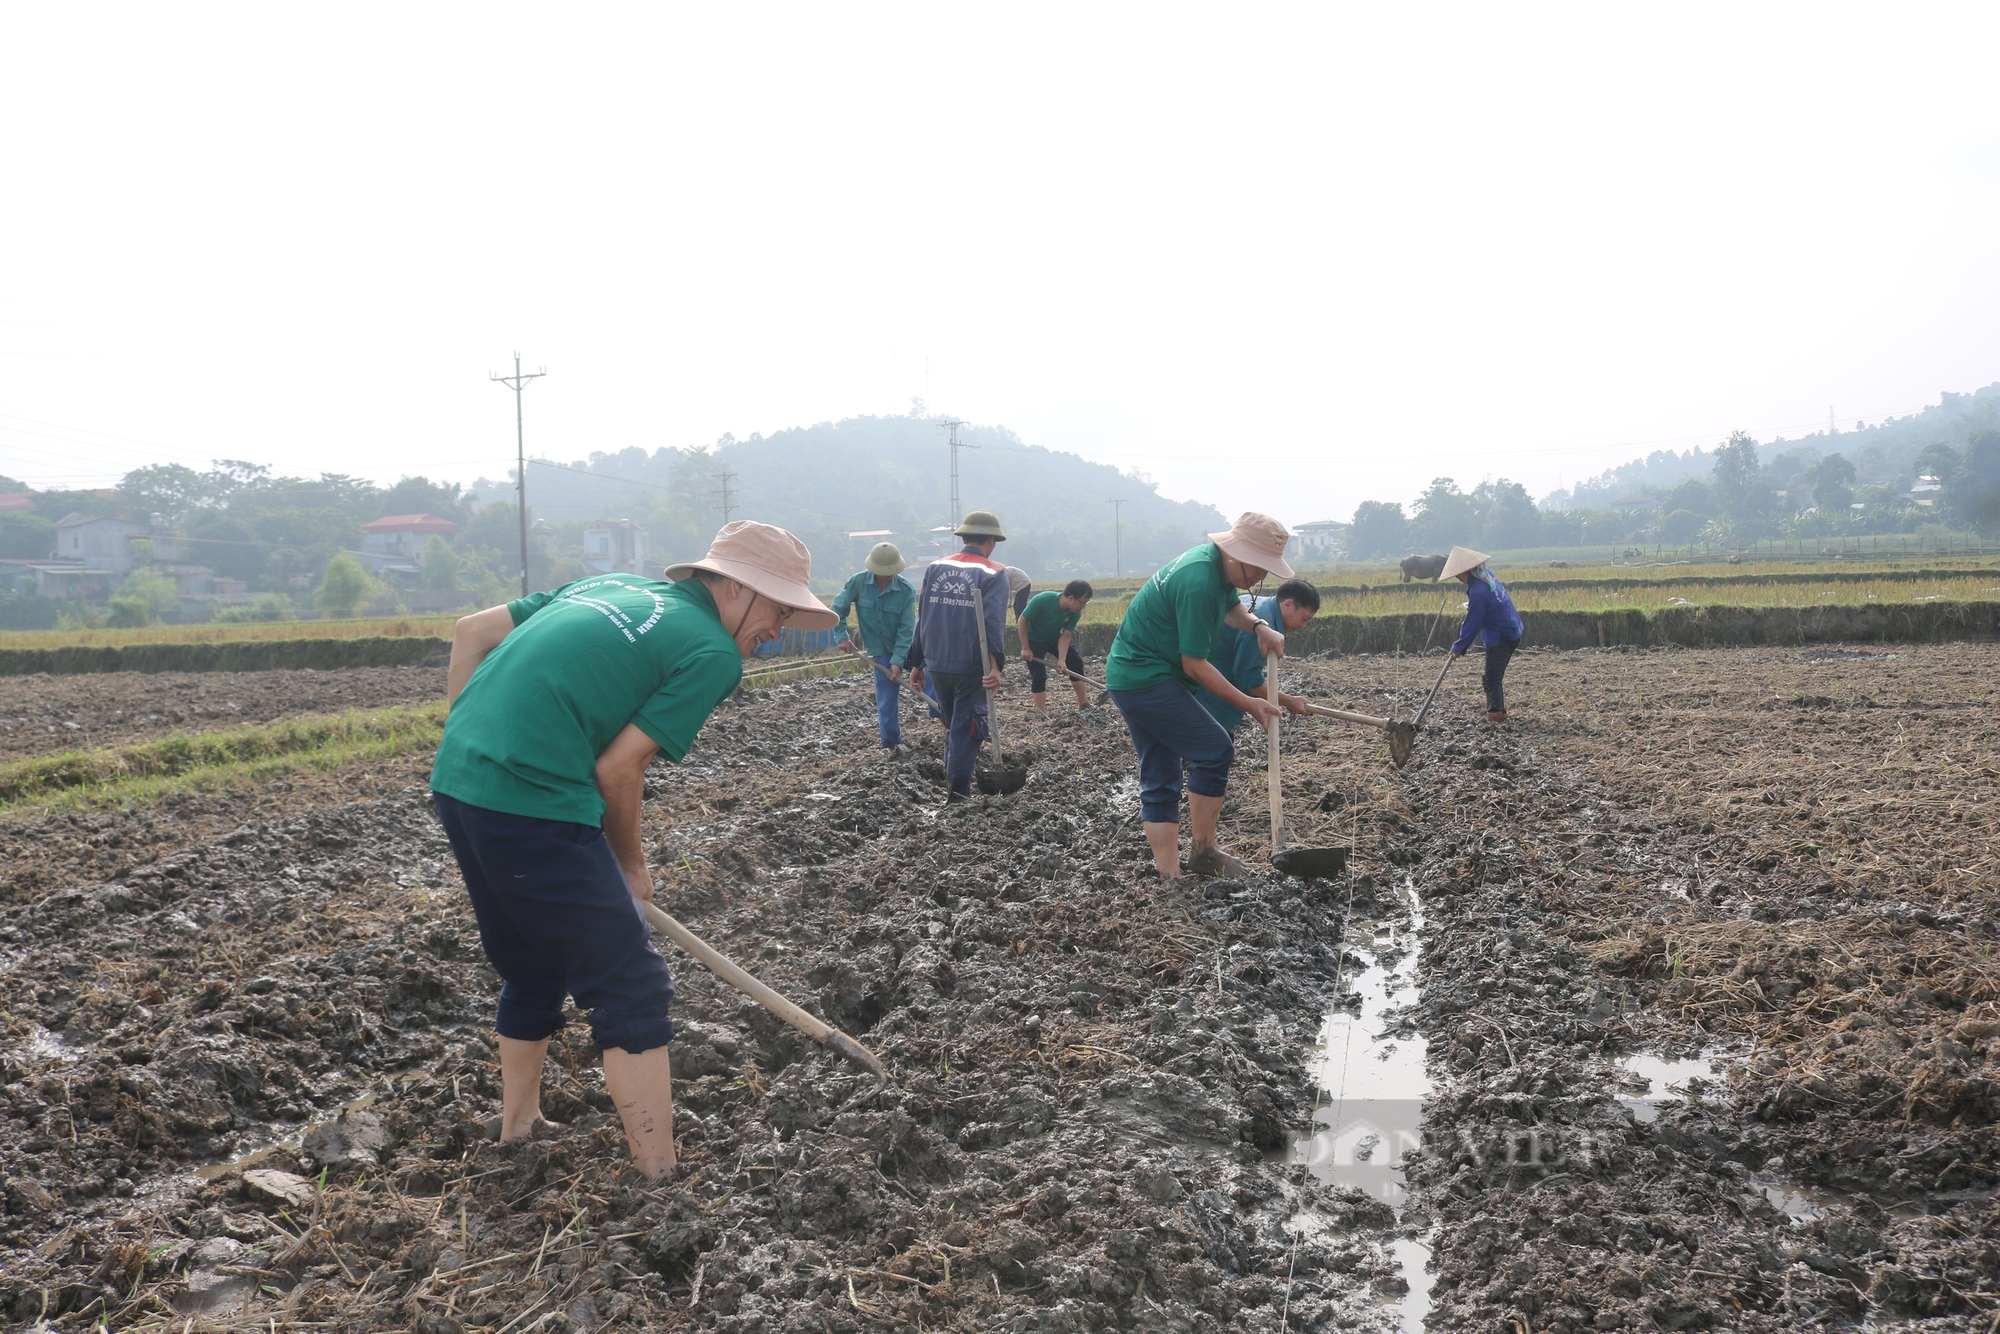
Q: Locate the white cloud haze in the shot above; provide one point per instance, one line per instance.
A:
(1289, 257)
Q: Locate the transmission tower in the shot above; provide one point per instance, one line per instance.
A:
(951, 426)
(517, 382)
(1117, 537)
(728, 504)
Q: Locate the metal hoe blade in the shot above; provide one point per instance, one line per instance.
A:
(1310, 863)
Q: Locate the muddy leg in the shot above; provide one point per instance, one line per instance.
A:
(521, 1085)
(1202, 814)
(643, 1088)
(1204, 858)
(1165, 841)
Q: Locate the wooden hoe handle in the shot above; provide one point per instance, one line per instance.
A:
(735, 976)
(1271, 728)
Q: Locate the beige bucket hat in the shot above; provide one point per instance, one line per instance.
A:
(885, 559)
(980, 523)
(1257, 539)
(1461, 560)
(766, 560)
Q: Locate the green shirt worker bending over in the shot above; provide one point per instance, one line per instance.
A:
(1045, 625)
(1161, 651)
(559, 701)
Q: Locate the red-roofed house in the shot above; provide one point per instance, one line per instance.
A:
(16, 500)
(404, 535)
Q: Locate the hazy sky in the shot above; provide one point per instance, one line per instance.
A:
(1282, 257)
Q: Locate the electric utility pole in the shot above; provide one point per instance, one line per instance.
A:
(1117, 537)
(517, 382)
(956, 444)
(728, 505)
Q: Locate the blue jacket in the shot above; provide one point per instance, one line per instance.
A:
(1240, 661)
(887, 617)
(1490, 616)
(954, 589)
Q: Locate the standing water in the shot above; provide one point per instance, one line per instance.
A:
(1372, 1086)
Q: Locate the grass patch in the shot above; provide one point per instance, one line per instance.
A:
(239, 754)
(785, 671)
(240, 632)
(1847, 591)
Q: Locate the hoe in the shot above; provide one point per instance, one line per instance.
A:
(1402, 736)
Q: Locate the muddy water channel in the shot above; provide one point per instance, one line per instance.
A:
(1671, 1006)
(1372, 1079)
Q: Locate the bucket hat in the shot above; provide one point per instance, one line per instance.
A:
(765, 560)
(885, 559)
(1257, 539)
(1461, 560)
(980, 523)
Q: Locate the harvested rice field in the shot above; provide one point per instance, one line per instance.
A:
(1672, 1004)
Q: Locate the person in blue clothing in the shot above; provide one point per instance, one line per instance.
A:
(1241, 661)
(885, 620)
(959, 593)
(1490, 614)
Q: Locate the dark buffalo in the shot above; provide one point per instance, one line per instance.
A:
(1422, 567)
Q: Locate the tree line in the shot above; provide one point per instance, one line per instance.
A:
(1801, 491)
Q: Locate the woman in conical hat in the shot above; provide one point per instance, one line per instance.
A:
(1490, 614)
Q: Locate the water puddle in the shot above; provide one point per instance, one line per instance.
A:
(252, 1151)
(39, 1044)
(1801, 1204)
(1413, 1257)
(1373, 1083)
(1663, 1082)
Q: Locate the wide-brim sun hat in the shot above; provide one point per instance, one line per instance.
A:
(885, 559)
(1462, 560)
(1257, 539)
(980, 524)
(765, 560)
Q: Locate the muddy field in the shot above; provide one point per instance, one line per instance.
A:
(1769, 867)
(41, 714)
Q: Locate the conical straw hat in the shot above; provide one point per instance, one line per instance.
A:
(1461, 560)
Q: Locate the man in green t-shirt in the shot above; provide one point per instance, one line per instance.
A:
(1045, 625)
(559, 702)
(1162, 649)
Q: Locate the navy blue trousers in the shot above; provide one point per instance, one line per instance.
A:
(556, 918)
(1169, 726)
(963, 702)
(888, 706)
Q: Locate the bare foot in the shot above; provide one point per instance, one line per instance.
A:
(539, 1126)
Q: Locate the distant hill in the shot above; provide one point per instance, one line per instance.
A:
(869, 473)
(1882, 454)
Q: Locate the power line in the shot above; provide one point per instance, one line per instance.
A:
(517, 382)
(1117, 536)
(728, 506)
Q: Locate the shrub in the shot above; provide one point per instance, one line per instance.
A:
(142, 597)
(345, 587)
(267, 607)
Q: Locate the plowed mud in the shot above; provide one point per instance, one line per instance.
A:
(1778, 861)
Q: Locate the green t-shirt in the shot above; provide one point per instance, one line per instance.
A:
(524, 735)
(1044, 618)
(1179, 612)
